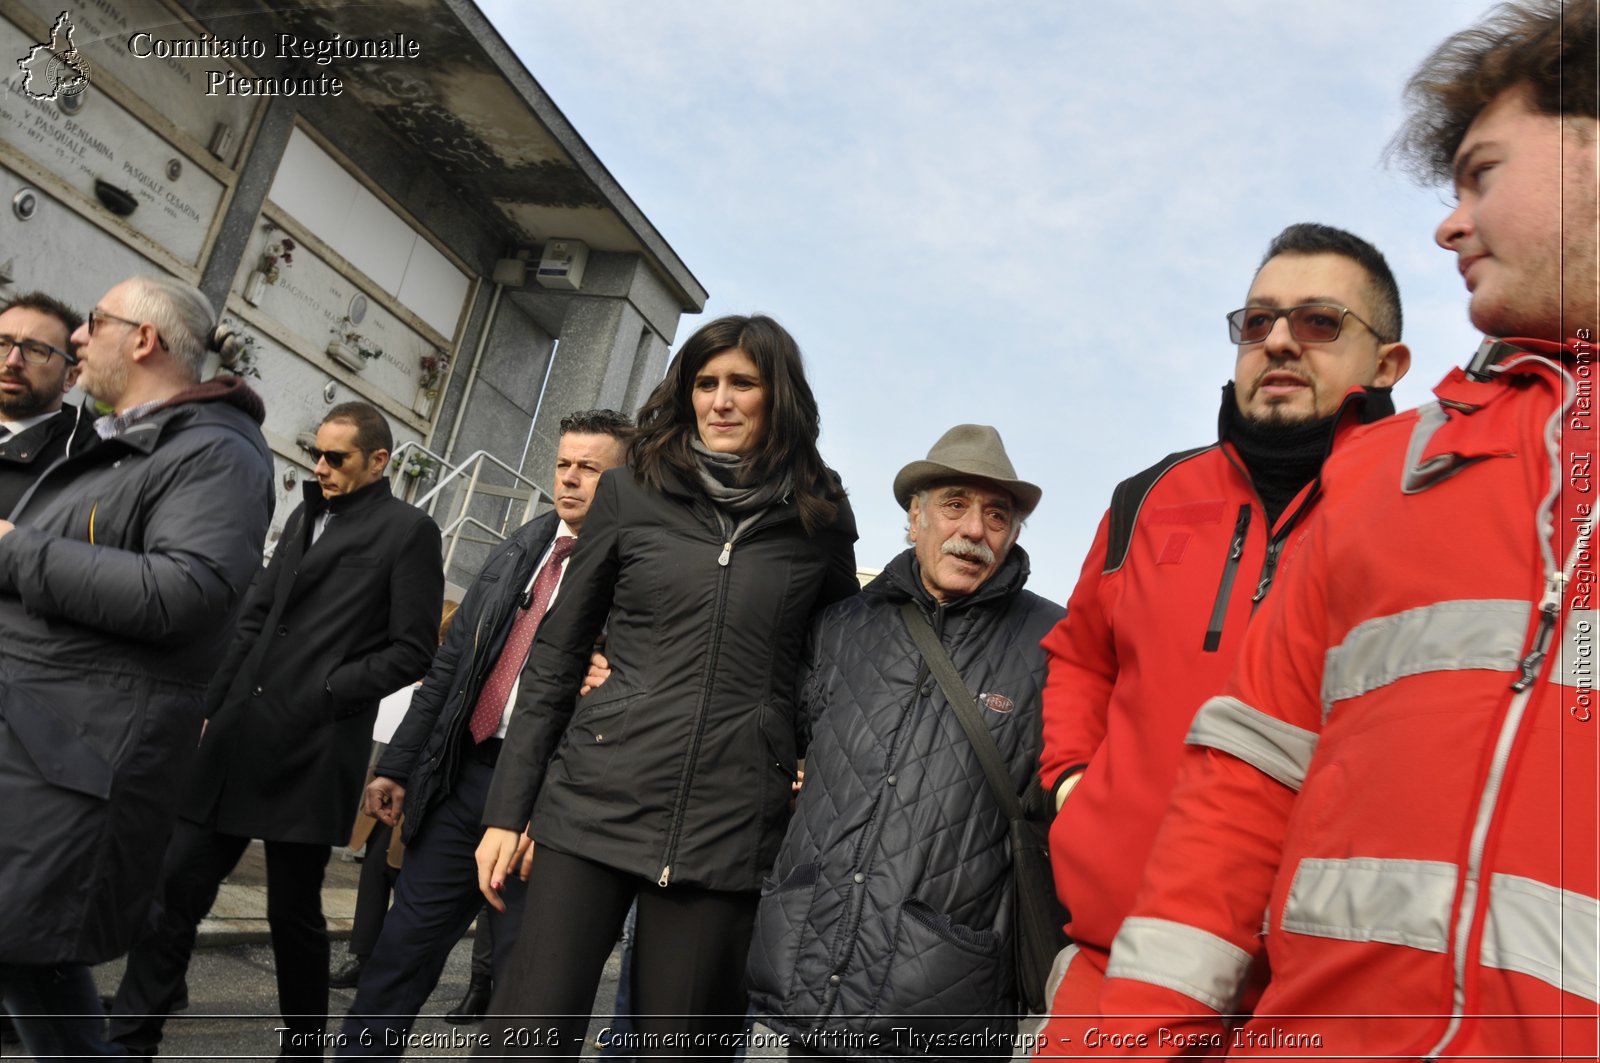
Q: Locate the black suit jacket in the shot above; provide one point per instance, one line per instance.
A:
(425, 753)
(25, 457)
(326, 631)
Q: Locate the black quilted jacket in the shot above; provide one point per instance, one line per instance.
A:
(890, 903)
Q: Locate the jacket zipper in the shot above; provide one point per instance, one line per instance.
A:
(1532, 665)
(700, 715)
(1230, 570)
(1268, 570)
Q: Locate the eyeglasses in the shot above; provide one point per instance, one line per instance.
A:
(334, 458)
(98, 315)
(1308, 323)
(34, 352)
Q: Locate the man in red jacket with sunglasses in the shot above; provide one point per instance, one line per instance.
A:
(1186, 553)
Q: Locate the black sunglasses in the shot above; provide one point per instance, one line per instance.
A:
(334, 458)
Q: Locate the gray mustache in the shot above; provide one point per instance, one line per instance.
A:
(967, 550)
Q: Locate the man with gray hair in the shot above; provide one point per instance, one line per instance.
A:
(118, 579)
(888, 926)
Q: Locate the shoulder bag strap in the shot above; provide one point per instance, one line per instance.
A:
(965, 707)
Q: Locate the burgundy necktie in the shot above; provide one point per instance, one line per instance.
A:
(497, 689)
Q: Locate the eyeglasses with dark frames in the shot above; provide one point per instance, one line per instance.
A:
(98, 315)
(334, 458)
(34, 352)
(1308, 322)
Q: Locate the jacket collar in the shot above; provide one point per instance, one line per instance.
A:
(227, 391)
(1457, 430)
(1359, 406)
(901, 579)
(675, 484)
(355, 502)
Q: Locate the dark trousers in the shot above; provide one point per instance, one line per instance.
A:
(57, 1011)
(688, 963)
(198, 860)
(435, 900)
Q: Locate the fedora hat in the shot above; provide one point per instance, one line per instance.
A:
(966, 452)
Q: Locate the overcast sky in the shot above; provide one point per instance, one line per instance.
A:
(1029, 213)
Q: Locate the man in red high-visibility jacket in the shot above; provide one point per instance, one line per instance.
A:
(1401, 774)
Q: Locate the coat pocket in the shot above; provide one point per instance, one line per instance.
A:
(943, 972)
(61, 756)
(779, 932)
(590, 746)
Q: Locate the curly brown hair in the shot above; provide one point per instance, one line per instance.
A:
(1549, 46)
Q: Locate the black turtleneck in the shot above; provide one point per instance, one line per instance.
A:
(1281, 458)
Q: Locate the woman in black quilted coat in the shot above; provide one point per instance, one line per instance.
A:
(670, 784)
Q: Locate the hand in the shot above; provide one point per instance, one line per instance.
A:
(6, 526)
(599, 672)
(497, 851)
(525, 854)
(384, 800)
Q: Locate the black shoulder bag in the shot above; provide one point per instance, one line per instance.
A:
(1039, 916)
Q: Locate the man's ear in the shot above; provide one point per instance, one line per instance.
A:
(913, 517)
(1393, 361)
(73, 372)
(379, 460)
(147, 342)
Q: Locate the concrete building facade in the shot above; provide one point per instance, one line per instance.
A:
(379, 194)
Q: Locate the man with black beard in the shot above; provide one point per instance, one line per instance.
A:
(1181, 559)
(38, 370)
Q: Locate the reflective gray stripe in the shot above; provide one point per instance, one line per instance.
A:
(1181, 958)
(1397, 902)
(1576, 652)
(1544, 932)
(1279, 749)
(1419, 475)
(1446, 636)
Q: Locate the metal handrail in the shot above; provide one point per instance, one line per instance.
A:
(472, 468)
(453, 530)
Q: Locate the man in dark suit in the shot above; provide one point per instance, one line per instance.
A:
(38, 370)
(439, 764)
(345, 613)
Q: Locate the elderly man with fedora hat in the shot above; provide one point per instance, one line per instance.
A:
(886, 928)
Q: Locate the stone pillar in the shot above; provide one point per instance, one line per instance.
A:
(612, 348)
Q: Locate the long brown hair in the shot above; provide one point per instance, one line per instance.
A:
(788, 445)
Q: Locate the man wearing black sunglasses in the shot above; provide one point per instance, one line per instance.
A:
(1181, 560)
(345, 613)
(37, 372)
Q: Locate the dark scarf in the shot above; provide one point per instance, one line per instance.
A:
(1280, 457)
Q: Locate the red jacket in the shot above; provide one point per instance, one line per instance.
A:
(1150, 632)
(1402, 772)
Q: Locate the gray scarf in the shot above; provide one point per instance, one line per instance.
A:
(720, 476)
